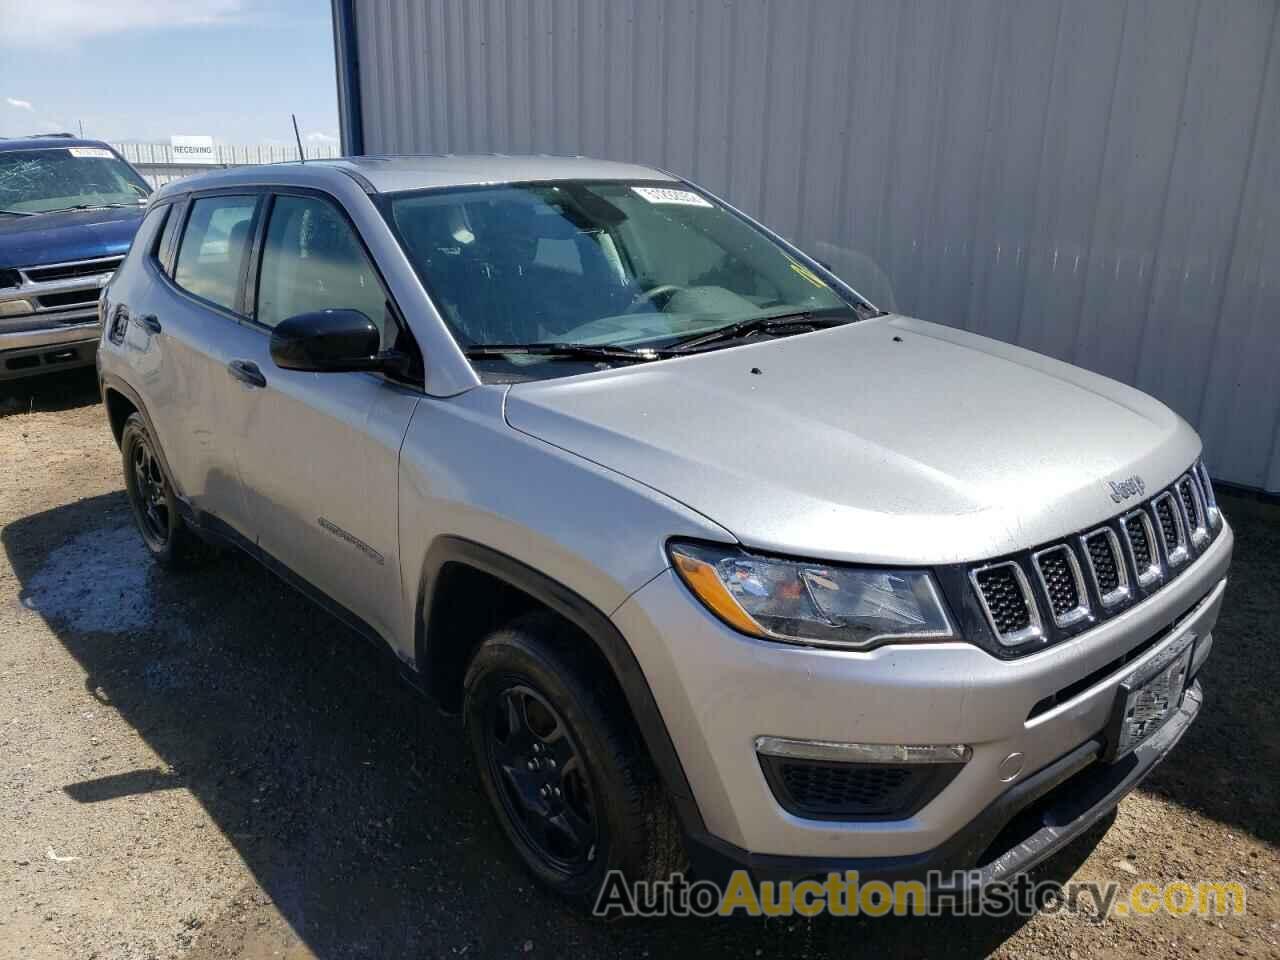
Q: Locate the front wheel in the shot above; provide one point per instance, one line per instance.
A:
(572, 789)
(155, 508)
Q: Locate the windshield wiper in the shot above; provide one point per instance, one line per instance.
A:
(19, 213)
(799, 318)
(91, 206)
(573, 351)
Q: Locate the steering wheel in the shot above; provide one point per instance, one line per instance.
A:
(652, 293)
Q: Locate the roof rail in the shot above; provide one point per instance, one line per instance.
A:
(42, 136)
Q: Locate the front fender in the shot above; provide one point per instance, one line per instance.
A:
(465, 474)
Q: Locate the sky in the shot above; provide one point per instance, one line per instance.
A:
(147, 69)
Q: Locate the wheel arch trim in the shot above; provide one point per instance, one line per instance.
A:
(591, 621)
(111, 382)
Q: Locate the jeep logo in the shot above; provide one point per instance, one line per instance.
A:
(1124, 489)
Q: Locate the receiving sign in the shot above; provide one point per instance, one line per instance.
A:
(193, 150)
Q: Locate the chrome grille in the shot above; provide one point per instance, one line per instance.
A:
(1006, 598)
(66, 271)
(59, 293)
(1172, 534)
(1094, 575)
(1103, 562)
(1207, 498)
(1064, 586)
(1140, 534)
(1106, 565)
(1189, 501)
(70, 298)
(1193, 505)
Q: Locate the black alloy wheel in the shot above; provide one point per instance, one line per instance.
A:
(150, 494)
(545, 791)
(168, 539)
(562, 763)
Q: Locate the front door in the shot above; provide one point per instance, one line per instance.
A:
(318, 453)
(184, 334)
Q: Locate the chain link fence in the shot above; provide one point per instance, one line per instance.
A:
(156, 163)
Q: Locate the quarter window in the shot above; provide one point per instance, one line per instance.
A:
(163, 251)
(312, 260)
(214, 246)
(154, 222)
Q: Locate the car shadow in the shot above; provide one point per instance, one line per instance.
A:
(64, 390)
(349, 797)
(1225, 767)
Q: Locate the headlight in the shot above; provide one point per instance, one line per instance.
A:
(818, 604)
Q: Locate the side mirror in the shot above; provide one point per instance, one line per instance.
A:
(330, 341)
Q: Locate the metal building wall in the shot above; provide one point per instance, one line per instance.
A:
(1095, 179)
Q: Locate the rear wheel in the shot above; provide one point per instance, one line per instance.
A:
(155, 508)
(571, 786)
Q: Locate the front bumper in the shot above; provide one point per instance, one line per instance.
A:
(55, 324)
(1021, 828)
(24, 353)
(718, 691)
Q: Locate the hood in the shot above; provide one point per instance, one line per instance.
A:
(74, 235)
(888, 441)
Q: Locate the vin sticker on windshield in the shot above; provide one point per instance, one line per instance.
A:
(97, 152)
(666, 195)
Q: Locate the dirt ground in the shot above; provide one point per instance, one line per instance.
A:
(207, 766)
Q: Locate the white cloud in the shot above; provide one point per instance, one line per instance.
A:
(58, 22)
(318, 136)
(18, 104)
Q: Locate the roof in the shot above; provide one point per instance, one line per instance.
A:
(388, 174)
(392, 174)
(47, 142)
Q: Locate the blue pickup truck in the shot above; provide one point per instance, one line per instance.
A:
(68, 212)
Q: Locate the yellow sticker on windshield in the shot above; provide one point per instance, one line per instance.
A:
(809, 275)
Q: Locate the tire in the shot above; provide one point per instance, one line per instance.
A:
(168, 539)
(609, 798)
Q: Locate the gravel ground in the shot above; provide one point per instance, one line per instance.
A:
(207, 766)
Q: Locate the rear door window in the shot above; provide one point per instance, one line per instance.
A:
(214, 246)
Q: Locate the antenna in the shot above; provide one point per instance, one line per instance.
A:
(302, 157)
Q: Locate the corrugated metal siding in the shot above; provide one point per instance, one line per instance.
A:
(1094, 179)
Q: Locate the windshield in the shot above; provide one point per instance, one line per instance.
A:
(638, 265)
(41, 181)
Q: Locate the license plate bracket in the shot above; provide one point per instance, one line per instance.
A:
(1148, 697)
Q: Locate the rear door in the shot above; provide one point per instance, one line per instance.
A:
(319, 452)
(180, 339)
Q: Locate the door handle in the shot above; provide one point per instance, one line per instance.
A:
(246, 371)
(149, 322)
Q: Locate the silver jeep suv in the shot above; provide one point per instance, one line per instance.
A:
(721, 564)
